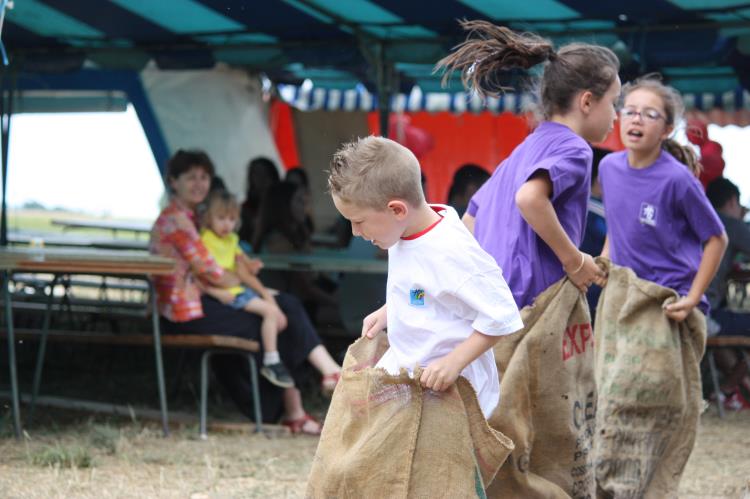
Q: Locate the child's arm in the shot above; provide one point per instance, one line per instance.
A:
(253, 265)
(712, 253)
(249, 279)
(221, 294)
(468, 221)
(375, 322)
(533, 201)
(247, 275)
(605, 248)
(443, 372)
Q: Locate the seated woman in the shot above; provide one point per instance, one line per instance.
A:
(298, 175)
(262, 173)
(282, 228)
(185, 309)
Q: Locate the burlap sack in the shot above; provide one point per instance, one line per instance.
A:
(547, 397)
(384, 436)
(648, 379)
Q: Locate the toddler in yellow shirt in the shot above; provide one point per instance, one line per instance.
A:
(219, 222)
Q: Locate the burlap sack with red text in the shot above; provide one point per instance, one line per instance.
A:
(547, 399)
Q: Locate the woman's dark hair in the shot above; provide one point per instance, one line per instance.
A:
(276, 215)
(183, 161)
(297, 175)
(721, 191)
(261, 167)
(217, 184)
(261, 174)
(466, 175)
(490, 52)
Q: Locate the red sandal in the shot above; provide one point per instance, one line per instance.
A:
(298, 425)
(328, 383)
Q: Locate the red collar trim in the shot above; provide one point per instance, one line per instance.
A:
(423, 231)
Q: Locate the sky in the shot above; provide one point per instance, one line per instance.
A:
(736, 143)
(101, 163)
(98, 163)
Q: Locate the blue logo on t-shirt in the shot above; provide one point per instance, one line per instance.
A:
(648, 214)
(416, 297)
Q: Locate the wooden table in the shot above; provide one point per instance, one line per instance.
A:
(66, 241)
(110, 225)
(322, 262)
(62, 261)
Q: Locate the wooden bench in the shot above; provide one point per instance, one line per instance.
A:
(210, 344)
(741, 343)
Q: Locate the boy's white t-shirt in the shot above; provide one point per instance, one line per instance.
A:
(441, 287)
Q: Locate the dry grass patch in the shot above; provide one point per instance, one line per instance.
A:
(84, 458)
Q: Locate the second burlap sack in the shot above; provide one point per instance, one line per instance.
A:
(547, 399)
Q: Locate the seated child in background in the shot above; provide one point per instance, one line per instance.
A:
(219, 222)
(447, 303)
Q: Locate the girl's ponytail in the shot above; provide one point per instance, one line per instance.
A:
(487, 58)
(490, 52)
(683, 154)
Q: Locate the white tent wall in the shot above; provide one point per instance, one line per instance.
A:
(220, 111)
(319, 134)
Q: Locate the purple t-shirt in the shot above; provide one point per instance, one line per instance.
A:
(528, 264)
(658, 219)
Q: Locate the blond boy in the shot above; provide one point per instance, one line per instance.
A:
(447, 303)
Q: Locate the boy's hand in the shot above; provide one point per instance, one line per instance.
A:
(440, 374)
(375, 322)
(679, 310)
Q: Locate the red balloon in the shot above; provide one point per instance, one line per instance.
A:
(417, 140)
(712, 162)
(697, 131)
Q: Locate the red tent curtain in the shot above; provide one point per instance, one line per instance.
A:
(485, 139)
(282, 127)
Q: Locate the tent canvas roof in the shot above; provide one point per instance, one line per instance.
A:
(700, 45)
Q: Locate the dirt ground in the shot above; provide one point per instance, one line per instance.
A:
(98, 458)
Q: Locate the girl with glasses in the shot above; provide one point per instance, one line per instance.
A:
(659, 221)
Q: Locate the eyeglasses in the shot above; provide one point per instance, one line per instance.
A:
(647, 114)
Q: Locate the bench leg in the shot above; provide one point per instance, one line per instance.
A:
(205, 363)
(256, 393)
(42, 350)
(174, 390)
(11, 354)
(746, 357)
(715, 380)
(159, 363)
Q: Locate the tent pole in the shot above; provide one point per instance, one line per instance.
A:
(6, 111)
(385, 90)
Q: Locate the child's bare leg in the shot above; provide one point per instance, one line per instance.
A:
(273, 369)
(268, 329)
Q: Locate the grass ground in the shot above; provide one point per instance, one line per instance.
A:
(73, 455)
